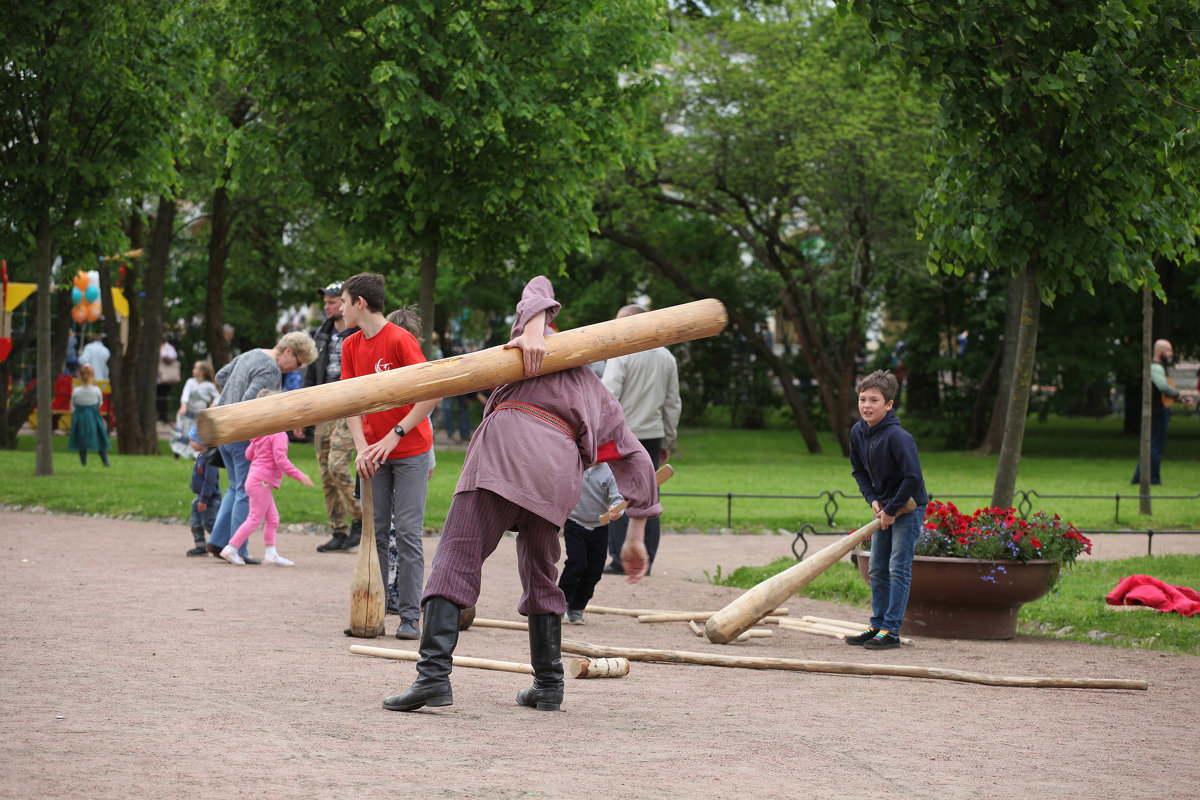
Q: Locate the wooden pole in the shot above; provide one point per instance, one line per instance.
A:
(753, 633)
(459, 661)
(843, 668)
(367, 604)
(702, 616)
(757, 601)
(457, 375)
(484, 622)
(823, 629)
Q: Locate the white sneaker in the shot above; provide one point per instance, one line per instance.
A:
(278, 560)
(230, 554)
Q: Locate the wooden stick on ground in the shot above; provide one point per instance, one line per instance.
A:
(645, 612)
(753, 633)
(484, 622)
(578, 667)
(854, 627)
(698, 616)
(843, 668)
(821, 629)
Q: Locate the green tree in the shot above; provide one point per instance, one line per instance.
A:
(778, 136)
(473, 130)
(87, 106)
(1067, 147)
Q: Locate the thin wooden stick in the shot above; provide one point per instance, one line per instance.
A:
(753, 633)
(698, 616)
(484, 622)
(645, 612)
(825, 630)
(843, 668)
(855, 627)
(459, 661)
(660, 476)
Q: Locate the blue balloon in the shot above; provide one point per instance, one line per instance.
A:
(92, 293)
(76, 296)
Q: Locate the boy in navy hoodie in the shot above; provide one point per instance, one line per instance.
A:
(206, 485)
(883, 458)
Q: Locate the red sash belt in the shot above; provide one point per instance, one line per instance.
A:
(542, 414)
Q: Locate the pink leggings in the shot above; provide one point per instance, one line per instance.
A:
(262, 509)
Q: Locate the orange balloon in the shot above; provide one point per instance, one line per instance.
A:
(94, 311)
(80, 312)
(81, 280)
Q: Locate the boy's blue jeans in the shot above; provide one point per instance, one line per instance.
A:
(207, 518)
(890, 569)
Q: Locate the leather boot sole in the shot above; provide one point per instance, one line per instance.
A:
(411, 701)
(530, 698)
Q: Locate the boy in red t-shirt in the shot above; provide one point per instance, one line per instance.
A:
(394, 446)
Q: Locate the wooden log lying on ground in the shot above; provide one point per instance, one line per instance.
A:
(832, 631)
(698, 616)
(459, 661)
(457, 375)
(484, 622)
(598, 667)
(579, 667)
(843, 668)
(853, 627)
(753, 633)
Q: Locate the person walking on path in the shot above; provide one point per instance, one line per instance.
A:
(88, 431)
(646, 384)
(586, 540)
(394, 446)
(332, 440)
(206, 486)
(523, 472)
(1163, 395)
(268, 464)
(240, 380)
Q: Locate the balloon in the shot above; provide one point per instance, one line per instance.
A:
(93, 277)
(92, 294)
(93, 311)
(79, 313)
(76, 295)
(81, 280)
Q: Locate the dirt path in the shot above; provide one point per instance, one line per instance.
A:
(131, 671)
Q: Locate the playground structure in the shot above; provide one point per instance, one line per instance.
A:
(86, 309)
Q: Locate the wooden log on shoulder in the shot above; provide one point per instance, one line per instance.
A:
(457, 375)
(844, 668)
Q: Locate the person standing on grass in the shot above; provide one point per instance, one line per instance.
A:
(1163, 395)
(883, 460)
(394, 445)
(88, 431)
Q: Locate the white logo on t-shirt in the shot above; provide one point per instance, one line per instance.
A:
(382, 366)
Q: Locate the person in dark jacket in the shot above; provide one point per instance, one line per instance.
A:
(883, 460)
(206, 485)
(334, 444)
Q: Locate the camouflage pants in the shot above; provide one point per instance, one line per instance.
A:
(335, 458)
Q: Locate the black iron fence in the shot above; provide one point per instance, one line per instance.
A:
(1023, 504)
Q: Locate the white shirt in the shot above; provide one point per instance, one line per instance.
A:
(96, 354)
(646, 385)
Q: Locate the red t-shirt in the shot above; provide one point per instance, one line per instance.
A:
(391, 348)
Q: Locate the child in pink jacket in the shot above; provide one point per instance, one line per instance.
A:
(268, 463)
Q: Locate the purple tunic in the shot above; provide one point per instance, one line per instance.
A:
(533, 463)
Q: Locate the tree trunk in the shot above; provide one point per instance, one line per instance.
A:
(429, 268)
(671, 271)
(214, 298)
(44, 464)
(1012, 323)
(1022, 384)
(1147, 413)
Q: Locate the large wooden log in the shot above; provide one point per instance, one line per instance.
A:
(758, 600)
(844, 668)
(457, 375)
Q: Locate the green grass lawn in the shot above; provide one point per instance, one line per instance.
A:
(1062, 457)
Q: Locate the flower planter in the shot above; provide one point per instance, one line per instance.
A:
(968, 598)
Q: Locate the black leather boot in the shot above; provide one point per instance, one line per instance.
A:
(336, 543)
(545, 653)
(355, 536)
(439, 635)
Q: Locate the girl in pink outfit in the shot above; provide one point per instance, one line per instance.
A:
(268, 463)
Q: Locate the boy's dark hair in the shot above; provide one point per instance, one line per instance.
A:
(884, 381)
(369, 286)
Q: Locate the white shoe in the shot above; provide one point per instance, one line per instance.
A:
(230, 554)
(278, 560)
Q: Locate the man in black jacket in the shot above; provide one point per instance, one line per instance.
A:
(335, 446)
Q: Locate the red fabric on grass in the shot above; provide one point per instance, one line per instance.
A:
(1142, 590)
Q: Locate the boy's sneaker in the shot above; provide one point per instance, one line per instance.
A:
(575, 617)
(278, 560)
(884, 640)
(230, 554)
(862, 638)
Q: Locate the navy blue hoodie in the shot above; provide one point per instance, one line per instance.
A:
(883, 460)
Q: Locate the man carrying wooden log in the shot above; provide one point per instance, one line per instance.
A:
(523, 472)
